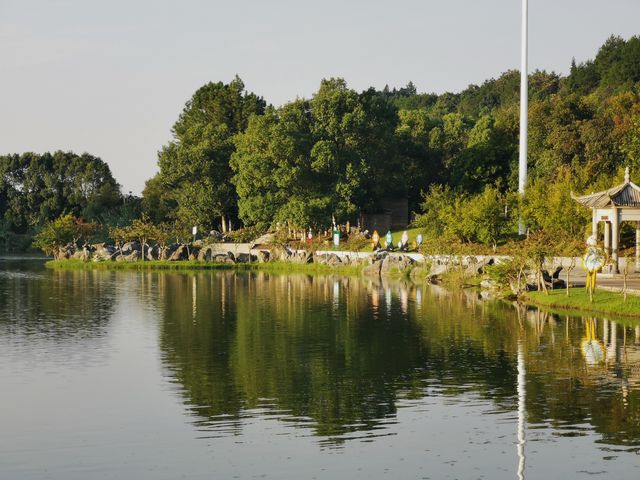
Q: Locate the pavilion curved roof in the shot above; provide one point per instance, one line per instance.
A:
(624, 195)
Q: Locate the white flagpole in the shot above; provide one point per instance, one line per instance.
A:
(524, 107)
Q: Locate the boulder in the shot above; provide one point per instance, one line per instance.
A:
(396, 264)
(179, 253)
(132, 257)
(205, 254)
(224, 258)
(266, 238)
(153, 253)
(164, 253)
(81, 255)
(334, 260)
(438, 269)
(278, 252)
(330, 259)
(558, 283)
(66, 252)
(130, 247)
(263, 256)
(245, 258)
(102, 252)
(373, 269)
(300, 257)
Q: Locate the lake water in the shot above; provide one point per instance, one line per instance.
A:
(127, 375)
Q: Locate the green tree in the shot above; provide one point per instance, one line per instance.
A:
(332, 155)
(194, 168)
(548, 206)
(158, 202)
(58, 233)
(35, 189)
(483, 218)
(140, 230)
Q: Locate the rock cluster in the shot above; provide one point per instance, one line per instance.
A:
(133, 251)
(385, 264)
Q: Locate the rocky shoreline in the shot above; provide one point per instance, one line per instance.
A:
(432, 268)
(371, 264)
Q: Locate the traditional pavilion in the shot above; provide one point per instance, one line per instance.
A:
(614, 206)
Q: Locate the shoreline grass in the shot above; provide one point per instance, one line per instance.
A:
(194, 265)
(604, 302)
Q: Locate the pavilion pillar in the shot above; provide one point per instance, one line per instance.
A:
(637, 246)
(594, 223)
(607, 238)
(615, 240)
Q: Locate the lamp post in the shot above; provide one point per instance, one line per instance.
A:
(524, 108)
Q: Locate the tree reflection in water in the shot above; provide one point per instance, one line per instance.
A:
(60, 306)
(333, 353)
(338, 354)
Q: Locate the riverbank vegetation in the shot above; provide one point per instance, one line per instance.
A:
(186, 265)
(604, 302)
(236, 161)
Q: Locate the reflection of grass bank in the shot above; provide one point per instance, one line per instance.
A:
(195, 265)
(603, 302)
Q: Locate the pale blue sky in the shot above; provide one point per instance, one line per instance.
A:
(110, 77)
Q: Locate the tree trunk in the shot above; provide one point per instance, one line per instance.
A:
(542, 282)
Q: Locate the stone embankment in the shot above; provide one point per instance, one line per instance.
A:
(380, 263)
(372, 264)
(133, 252)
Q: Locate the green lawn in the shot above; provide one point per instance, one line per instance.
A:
(578, 302)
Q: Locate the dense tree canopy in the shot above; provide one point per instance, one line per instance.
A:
(194, 179)
(332, 155)
(37, 188)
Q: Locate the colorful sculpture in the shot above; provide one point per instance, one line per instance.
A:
(389, 240)
(593, 261)
(375, 240)
(404, 241)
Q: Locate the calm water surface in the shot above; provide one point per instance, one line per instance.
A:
(118, 375)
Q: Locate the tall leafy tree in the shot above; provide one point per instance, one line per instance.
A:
(194, 167)
(313, 159)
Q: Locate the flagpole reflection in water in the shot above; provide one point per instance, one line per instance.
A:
(522, 396)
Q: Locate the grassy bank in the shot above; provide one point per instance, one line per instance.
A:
(191, 265)
(578, 302)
